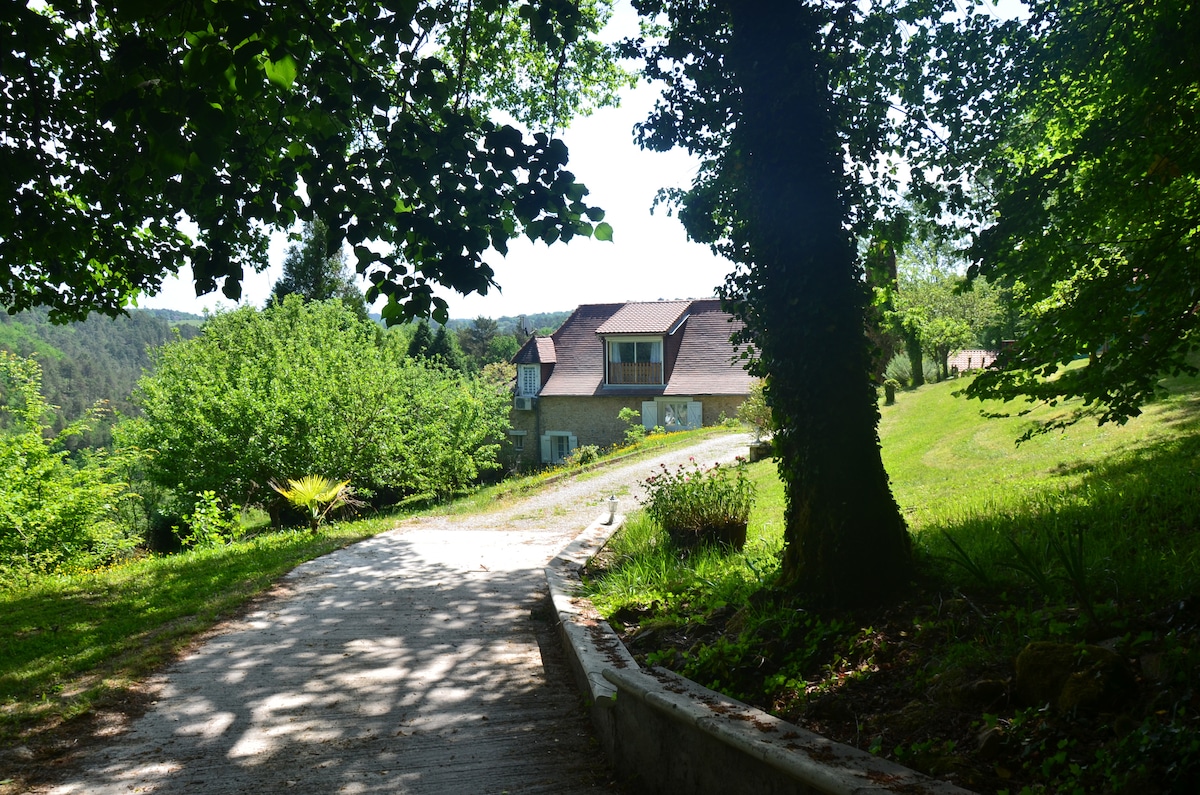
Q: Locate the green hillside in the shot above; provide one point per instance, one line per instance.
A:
(1128, 492)
(99, 359)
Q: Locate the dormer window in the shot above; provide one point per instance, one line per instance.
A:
(529, 379)
(635, 360)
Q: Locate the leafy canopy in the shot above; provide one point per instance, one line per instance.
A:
(120, 121)
(1081, 123)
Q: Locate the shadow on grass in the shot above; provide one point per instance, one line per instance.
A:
(1137, 516)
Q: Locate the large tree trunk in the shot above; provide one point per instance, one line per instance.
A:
(845, 540)
(916, 358)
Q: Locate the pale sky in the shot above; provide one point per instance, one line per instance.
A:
(649, 258)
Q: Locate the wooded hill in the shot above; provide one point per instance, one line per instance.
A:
(102, 358)
(99, 359)
(542, 322)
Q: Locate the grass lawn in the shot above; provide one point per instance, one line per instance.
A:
(1084, 539)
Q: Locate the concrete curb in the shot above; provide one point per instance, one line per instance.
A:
(667, 734)
(591, 645)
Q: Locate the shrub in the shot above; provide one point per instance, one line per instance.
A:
(52, 512)
(754, 410)
(583, 455)
(315, 495)
(210, 524)
(635, 432)
(302, 388)
(697, 506)
(899, 369)
(889, 390)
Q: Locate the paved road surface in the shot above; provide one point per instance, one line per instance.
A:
(418, 661)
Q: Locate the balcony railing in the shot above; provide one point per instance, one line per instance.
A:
(635, 372)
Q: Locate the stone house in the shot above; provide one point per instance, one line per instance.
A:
(670, 360)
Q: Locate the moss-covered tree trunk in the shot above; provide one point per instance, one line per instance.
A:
(846, 541)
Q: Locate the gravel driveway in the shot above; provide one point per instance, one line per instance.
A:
(417, 661)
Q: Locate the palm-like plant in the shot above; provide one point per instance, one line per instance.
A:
(316, 494)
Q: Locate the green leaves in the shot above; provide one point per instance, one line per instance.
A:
(306, 388)
(1088, 194)
(603, 231)
(120, 125)
(314, 494)
(282, 72)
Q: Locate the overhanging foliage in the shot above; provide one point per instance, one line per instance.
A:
(120, 120)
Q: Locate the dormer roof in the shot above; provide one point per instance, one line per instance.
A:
(645, 317)
(536, 350)
(704, 363)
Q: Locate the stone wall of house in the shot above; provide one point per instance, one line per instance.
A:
(523, 439)
(593, 420)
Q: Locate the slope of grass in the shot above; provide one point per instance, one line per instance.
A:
(943, 457)
(1124, 496)
(1079, 536)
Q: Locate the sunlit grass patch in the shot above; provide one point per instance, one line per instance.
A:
(641, 566)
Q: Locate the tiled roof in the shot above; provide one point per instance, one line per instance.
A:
(706, 364)
(580, 352)
(536, 350)
(654, 317)
(546, 351)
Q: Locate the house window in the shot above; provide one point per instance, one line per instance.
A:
(529, 377)
(635, 361)
(556, 446)
(673, 416)
(518, 440)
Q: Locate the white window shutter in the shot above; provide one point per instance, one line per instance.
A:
(545, 449)
(572, 443)
(649, 414)
(695, 417)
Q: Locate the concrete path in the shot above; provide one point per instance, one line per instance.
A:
(418, 661)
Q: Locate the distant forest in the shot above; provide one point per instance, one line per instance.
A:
(543, 323)
(99, 359)
(102, 358)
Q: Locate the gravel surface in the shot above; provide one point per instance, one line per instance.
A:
(422, 660)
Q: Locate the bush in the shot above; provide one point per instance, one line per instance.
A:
(210, 525)
(299, 388)
(583, 455)
(635, 432)
(754, 410)
(698, 506)
(53, 512)
(900, 369)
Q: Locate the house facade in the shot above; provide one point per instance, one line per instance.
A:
(971, 359)
(672, 361)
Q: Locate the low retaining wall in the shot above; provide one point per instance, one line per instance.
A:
(667, 734)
